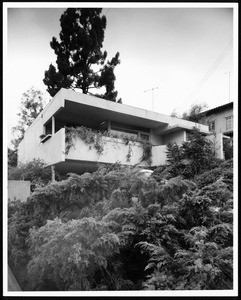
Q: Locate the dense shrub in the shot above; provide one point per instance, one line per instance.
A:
(35, 171)
(191, 158)
(12, 158)
(69, 254)
(228, 148)
(224, 171)
(116, 229)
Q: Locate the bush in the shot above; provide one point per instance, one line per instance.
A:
(116, 229)
(66, 256)
(192, 157)
(12, 158)
(35, 171)
(224, 171)
(228, 148)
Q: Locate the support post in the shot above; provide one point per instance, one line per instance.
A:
(109, 126)
(53, 125)
(53, 173)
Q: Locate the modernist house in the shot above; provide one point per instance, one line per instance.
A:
(48, 136)
(220, 122)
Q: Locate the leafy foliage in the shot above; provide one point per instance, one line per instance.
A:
(193, 114)
(80, 60)
(96, 139)
(192, 157)
(116, 229)
(12, 157)
(32, 103)
(224, 171)
(228, 148)
(69, 254)
(35, 171)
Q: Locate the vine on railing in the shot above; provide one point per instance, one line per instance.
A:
(94, 138)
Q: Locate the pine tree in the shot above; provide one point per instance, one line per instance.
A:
(80, 60)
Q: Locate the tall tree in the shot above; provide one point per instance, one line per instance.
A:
(194, 112)
(80, 61)
(31, 105)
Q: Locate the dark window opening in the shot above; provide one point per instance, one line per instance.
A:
(211, 126)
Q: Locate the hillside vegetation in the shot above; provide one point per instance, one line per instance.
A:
(118, 229)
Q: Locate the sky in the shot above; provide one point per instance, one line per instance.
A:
(171, 57)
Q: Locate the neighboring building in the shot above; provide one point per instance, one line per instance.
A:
(46, 137)
(18, 190)
(219, 119)
(220, 122)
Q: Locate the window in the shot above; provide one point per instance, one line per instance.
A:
(125, 132)
(229, 123)
(212, 126)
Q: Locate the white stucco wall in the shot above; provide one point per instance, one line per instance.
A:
(50, 151)
(18, 190)
(159, 155)
(220, 120)
(115, 150)
(177, 136)
(217, 141)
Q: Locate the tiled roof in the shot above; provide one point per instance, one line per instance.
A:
(218, 108)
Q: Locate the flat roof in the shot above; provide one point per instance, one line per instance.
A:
(76, 107)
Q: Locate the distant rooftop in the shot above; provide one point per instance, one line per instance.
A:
(218, 108)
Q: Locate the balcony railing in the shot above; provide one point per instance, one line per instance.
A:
(87, 145)
(61, 146)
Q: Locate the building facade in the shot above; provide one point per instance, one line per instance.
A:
(219, 119)
(220, 123)
(48, 136)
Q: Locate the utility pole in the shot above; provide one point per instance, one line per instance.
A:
(228, 85)
(152, 95)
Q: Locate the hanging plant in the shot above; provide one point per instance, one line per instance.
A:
(95, 139)
(147, 152)
(128, 156)
(88, 136)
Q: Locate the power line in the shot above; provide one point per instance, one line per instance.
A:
(211, 70)
(228, 85)
(214, 66)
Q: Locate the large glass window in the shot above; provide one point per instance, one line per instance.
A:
(131, 131)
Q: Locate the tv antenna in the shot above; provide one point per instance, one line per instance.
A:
(152, 90)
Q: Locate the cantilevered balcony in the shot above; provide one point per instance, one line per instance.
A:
(86, 156)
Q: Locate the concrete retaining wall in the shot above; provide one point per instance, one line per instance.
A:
(18, 190)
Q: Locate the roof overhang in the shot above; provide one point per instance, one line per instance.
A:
(178, 127)
(92, 115)
(75, 107)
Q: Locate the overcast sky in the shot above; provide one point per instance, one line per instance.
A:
(186, 53)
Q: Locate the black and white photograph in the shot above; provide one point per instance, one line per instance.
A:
(120, 149)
